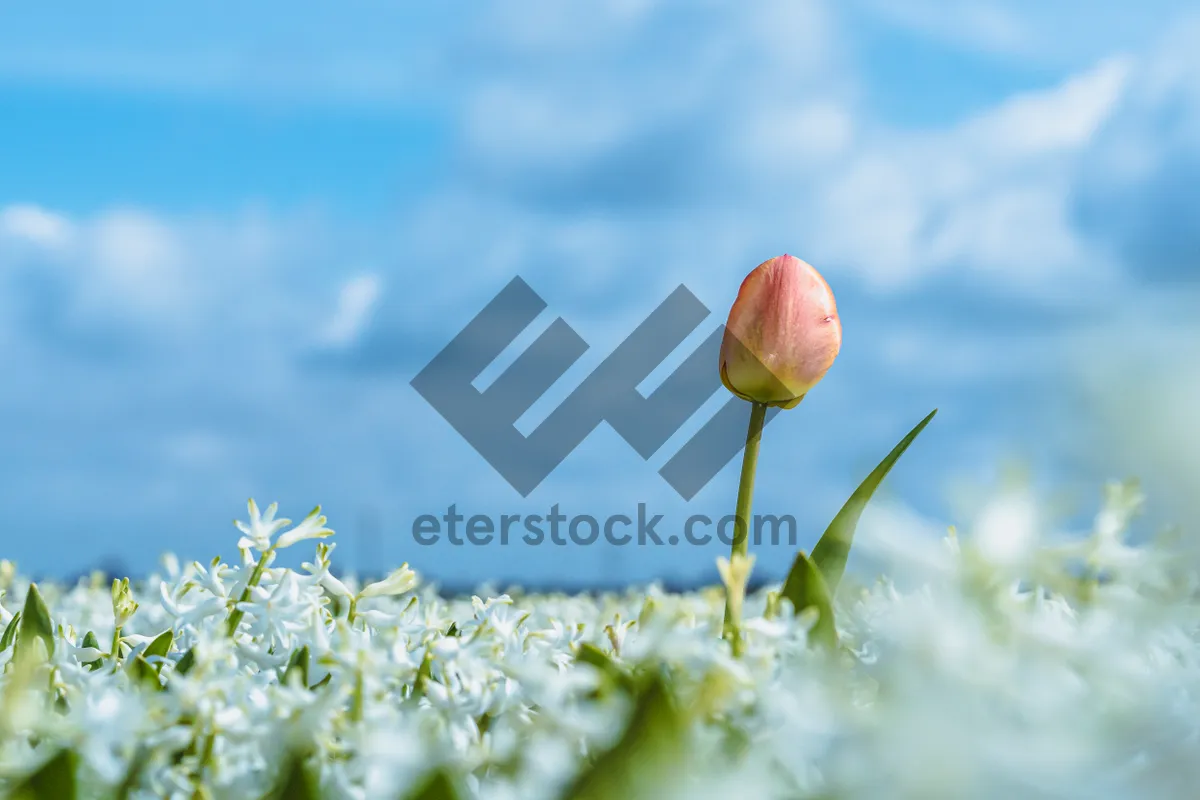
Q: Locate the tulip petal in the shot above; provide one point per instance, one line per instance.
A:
(782, 335)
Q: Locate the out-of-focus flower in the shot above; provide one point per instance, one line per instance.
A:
(782, 335)
(735, 573)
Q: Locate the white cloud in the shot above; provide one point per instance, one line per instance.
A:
(990, 195)
(240, 277)
(1037, 33)
(1062, 118)
(988, 25)
(34, 225)
(507, 122)
(806, 136)
(760, 139)
(137, 260)
(356, 303)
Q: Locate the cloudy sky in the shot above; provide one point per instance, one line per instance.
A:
(229, 238)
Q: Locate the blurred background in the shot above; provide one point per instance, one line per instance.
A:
(230, 236)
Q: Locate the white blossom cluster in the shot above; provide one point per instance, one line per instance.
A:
(1002, 663)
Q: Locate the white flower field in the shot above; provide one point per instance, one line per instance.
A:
(1047, 668)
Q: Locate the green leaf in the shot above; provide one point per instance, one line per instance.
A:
(35, 621)
(297, 668)
(833, 549)
(90, 640)
(187, 662)
(295, 782)
(137, 765)
(806, 588)
(10, 632)
(437, 786)
(590, 654)
(161, 645)
(133, 774)
(646, 758)
(54, 780)
(142, 668)
(424, 673)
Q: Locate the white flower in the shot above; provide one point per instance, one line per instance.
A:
(312, 527)
(335, 587)
(261, 527)
(399, 582)
(1090, 699)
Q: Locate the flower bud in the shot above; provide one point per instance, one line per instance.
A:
(123, 604)
(782, 335)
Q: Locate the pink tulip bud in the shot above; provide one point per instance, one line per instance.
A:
(782, 335)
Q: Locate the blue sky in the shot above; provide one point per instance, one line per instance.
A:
(229, 237)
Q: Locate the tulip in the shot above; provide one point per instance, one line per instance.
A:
(782, 336)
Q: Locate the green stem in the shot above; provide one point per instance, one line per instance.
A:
(357, 699)
(741, 529)
(115, 652)
(236, 614)
(206, 757)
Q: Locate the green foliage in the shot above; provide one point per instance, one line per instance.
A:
(296, 782)
(833, 549)
(613, 672)
(145, 670)
(297, 668)
(54, 780)
(806, 588)
(813, 580)
(649, 751)
(133, 774)
(438, 786)
(90, 640)
(187, 662)
(160, 645)
(424, 673)
(10, 632)
(35, 622)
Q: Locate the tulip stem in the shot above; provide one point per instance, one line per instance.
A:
(741, 530)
